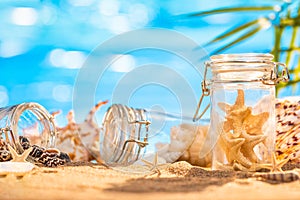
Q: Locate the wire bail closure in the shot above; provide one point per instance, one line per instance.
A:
(273, 79)
(205, 92)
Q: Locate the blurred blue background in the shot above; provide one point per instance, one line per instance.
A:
(43, 43)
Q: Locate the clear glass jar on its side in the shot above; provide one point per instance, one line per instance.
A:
(130, 134)
(30, 120)
(242, 92)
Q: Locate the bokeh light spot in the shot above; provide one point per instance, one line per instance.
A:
(66, 59)
(62, 93)
(24, 16)
(109, 7)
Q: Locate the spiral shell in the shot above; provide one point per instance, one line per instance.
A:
(288, 129)
(278, 177)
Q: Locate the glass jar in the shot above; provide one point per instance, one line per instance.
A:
(129, 134)
(242, 94)
(30, 120)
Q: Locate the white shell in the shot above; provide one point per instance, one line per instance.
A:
(15, 167)
(171, 157)
(150, 158)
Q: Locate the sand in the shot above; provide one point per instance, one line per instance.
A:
(177, 181)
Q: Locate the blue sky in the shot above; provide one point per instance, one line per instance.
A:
(44, 43)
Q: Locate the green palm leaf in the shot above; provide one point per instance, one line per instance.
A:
(233, 31)
(281, 20)
(292, 44)
(277, 40)
(236, 9)
(290, 83)
(238, 40)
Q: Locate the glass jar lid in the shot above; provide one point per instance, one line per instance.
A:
(247, 57)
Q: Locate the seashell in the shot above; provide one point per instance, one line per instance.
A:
(19, 168)
(181, 138)
(177, 146)
(288, 128)
(18, 165)
(192, 154)
(73, 136)
(187, 142)
(278, 177)
(171, 157)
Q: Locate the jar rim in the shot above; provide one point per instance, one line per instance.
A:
(242, 57)
(42, 114)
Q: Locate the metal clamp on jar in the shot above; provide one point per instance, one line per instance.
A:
(130, 134)
(242, 95)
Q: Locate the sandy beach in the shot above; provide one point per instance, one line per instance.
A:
(176, 181)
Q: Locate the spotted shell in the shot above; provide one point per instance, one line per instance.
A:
(288, 128)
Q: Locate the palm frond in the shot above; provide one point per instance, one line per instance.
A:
(297, 70)
(289, 49)
(283, 19)
(229, 33)
(295, 22)
(290, 83)
(235, 9)
(238, 40)
(277, 40)
(291, 46)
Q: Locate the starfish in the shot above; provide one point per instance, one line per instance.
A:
(153, 166)
(239, 103)
(253, 123)
(233, 152)
(235, 114)
(276, 165)
(250, 142)
(235, 119)
(241, 124)
(19, 158)
(238, 115)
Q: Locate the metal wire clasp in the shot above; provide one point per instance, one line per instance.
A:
(140, 143)
(274, 78)
(144, 143)
(205, 92)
